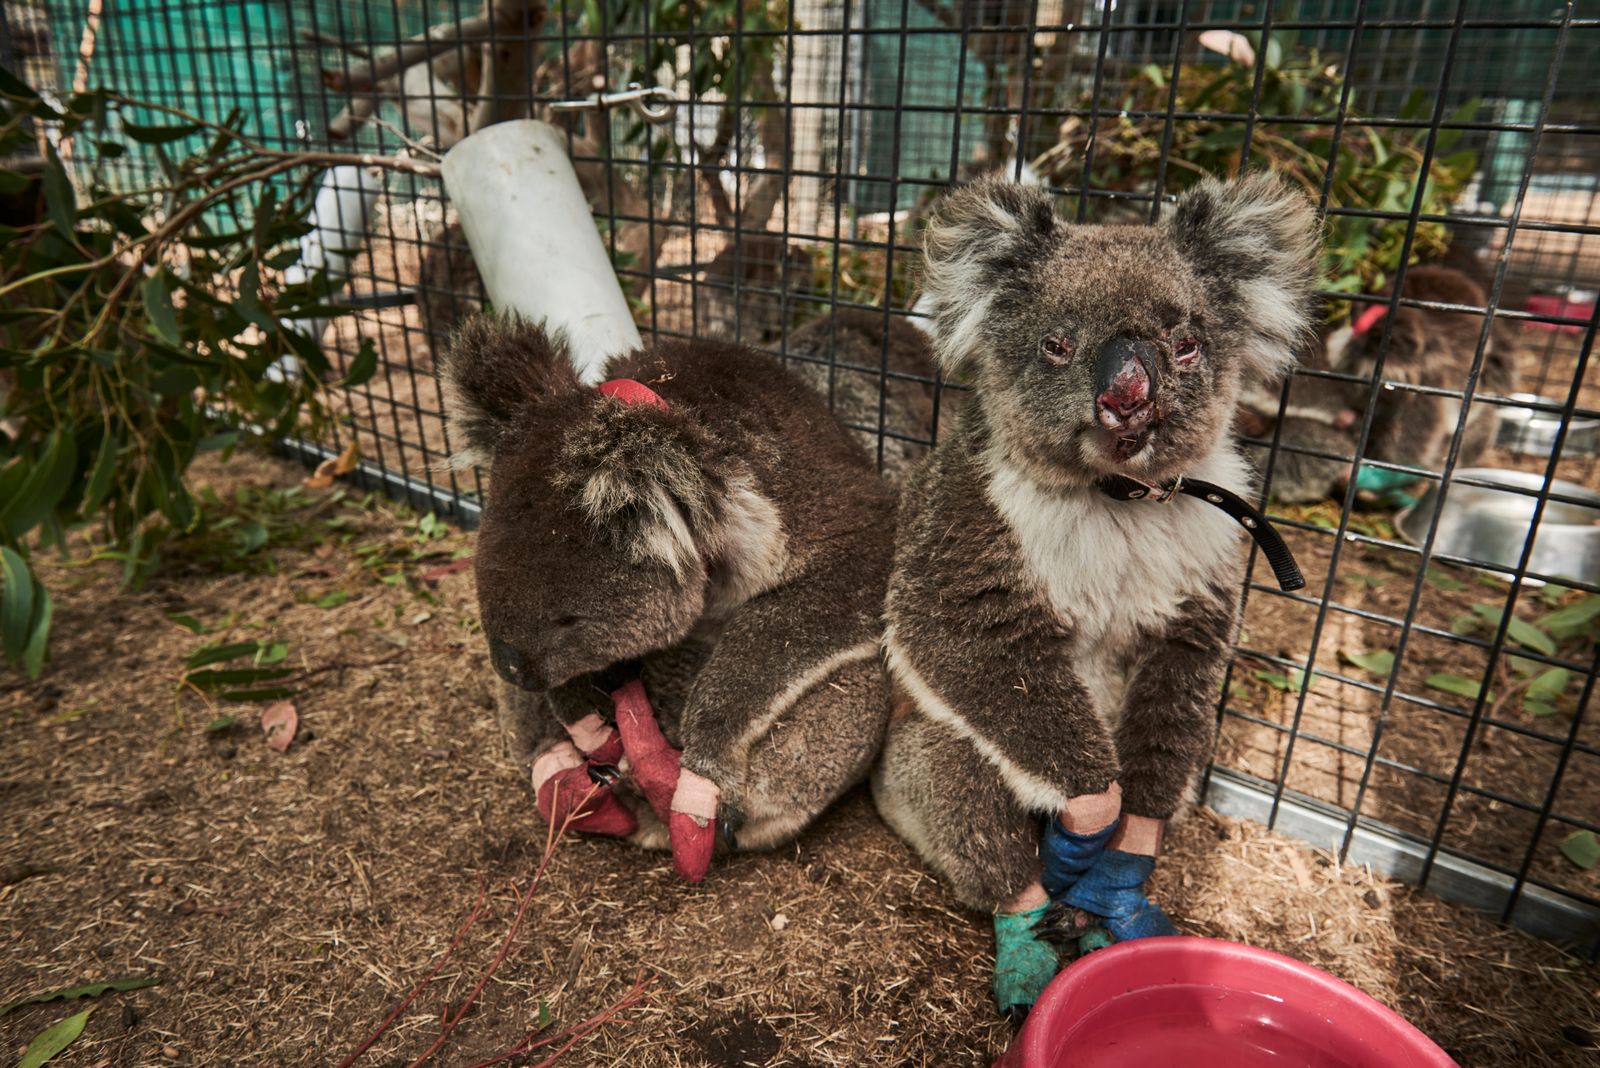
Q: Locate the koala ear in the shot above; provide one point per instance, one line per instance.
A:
(979, 236)
(1255, 244)
(645, 476)
(492, 370)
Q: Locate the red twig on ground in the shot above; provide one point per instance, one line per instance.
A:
(434, 573)
(637, 994)
(553, 836)
(461, 932)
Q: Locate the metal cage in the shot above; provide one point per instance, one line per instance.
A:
(1421, 706)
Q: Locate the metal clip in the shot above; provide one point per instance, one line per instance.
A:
(655, 104)
(1154, 491)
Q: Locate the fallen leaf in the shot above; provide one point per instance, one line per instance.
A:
(221, 723)
(86, 990)
(1458, 685)
(421, 618)
(334, 466)
(53, 1039)
(279, 721)
(1378, 662)
(1582, 848)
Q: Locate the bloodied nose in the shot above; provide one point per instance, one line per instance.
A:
(515, 668)
(1125, 383)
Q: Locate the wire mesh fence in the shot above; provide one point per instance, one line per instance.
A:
(1422, 705)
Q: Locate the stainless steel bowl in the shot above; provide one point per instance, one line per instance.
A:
(1533, 433)
(1489, 525)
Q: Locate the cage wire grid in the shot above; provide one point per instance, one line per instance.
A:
(808, 143)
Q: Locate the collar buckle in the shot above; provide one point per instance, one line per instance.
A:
(1154, 491)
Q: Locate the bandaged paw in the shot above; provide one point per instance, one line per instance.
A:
(568, 797)
(1023, 963)
(1066, 856)
(1113, 889)
(652, 761)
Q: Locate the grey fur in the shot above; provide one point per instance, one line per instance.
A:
(1048, 641)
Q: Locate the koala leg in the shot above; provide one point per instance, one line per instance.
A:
(941, 795)
(822, 746)
(935, 788)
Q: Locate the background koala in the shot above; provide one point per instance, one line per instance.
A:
(1427, 347)
(1058, 653)
(731, 545)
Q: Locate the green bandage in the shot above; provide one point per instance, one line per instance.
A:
(1023, 964)
(1381, 479)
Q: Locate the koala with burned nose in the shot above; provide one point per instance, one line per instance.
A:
(680, 576)
(1061, 606)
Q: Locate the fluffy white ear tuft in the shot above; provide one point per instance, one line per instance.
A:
(1257, 244)
(492, 370)
(977, 237)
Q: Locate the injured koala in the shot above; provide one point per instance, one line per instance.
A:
(696, 540)
(1067, 562)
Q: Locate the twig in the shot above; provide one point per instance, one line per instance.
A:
(394, 1014)
(339, 665)
(318, 37)
(553, 837)
(424, 46)
(637, 994)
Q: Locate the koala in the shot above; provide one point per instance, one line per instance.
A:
(1056, 654)
(699, 524)
(843, 358)
(1427, 347)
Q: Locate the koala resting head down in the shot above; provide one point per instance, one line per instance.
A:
(1118, 349)
(611, 527)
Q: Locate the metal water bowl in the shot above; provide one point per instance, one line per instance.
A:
(1533, 433)
(1490, 525)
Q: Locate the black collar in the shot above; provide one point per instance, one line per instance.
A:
(1123, 488)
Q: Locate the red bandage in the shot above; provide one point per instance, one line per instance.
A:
(628, 391)
(1366, 319)
(565, 792)
(656, 767)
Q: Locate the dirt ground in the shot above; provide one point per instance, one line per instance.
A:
(286, 901)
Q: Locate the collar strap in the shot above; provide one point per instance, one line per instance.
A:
(1123, 488)
(628, 391)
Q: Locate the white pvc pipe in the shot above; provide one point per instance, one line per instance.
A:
(338, 230)
(534, 241)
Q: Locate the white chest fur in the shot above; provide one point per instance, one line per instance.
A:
(1111, 568)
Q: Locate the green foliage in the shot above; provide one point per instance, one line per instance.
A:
(53, 1039)
(85, 990)
(1374, 167)
(248, 676)
(134, 335)
(1582, 848)
(1378, 662)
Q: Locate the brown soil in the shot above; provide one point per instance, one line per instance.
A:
(287, 901)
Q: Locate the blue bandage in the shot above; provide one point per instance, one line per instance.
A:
(1113, 890)
(1067, 856)
(1023, 965)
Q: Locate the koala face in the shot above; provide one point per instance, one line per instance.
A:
(1101, 349)
(586, 553)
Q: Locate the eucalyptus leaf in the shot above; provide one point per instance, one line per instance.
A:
(83, 990)
(1582, 848)
(1459, 685)
(53, 1039)
(1379, 662)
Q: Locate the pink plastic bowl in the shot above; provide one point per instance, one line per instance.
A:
(1160, 1002)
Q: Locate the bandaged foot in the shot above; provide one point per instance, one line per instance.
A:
(597, 740)
(1076, 838)
(685, 802)
(565, 792)
(1023, 963)
(1113, 889)
(652, 761)
(692, 827)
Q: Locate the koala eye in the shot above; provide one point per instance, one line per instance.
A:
(1058, 350)
(1186, 350)
(567, 621)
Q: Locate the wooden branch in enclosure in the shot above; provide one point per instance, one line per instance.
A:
(510, 19)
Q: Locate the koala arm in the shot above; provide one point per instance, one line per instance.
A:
(974, 645)
(1169, 715)
(775, 648)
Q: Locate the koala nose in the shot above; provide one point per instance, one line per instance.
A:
(511, 665)
(1125, 383)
